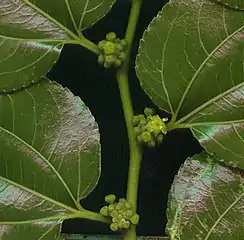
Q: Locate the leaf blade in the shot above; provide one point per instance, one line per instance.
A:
(48, 129)
(203, 197)
(190, 63)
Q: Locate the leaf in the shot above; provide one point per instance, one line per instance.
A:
(75, 15)
(206, 201)
(236, 4)
(190, 63)
(32, 34)
(49, 156)
(106, 237)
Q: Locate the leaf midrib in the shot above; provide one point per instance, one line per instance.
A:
(37, 194)
(65, 29)
(222, 215)
(45, 160)
(201, 67)
(206, 104)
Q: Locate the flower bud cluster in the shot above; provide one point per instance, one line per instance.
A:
(112, 51)
(121, 212)
(149, 128)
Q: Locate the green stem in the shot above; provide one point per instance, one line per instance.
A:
(88, 44)
(135, 150)
(85, 214)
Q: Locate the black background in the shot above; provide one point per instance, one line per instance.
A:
(77, 69)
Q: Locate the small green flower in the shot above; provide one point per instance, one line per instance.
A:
(109, 48)
(128, 205)
(156, 124)
(122, 56)
(104, 211)
(101, 44)
(146, 136)
(149, 111)
(114, 226)
(135, 120)
(126, 224)
(111, 36)
(114, 213)
(101, 59)
(135, 219)
(111, 207)
(110, 198)
(124, 43)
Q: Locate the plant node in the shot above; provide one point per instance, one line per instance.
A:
(121, 213)
(112, 51)
(149, 128)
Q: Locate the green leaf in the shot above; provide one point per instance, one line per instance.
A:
(50, 159)
(236, 4)
(75, 15)
(190, 63)
(206, 201)
(32, 34)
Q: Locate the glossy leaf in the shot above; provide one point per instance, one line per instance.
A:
(49, 156)
(236, 4)
(190, 63)
(206, 201)
(32, 34)
(75, 15)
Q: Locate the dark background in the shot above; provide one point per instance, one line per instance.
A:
(77, 69)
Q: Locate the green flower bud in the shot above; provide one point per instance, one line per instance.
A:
(149, 111)
(118, 48)
(123, 43)
(141, 117)
(111, 207)
(143, 122)
(101, 44)
(119, 216)
(111, 36)
(151, 144)
(122, 56)
(128, 214)
(122, 200)
(114, 219)
(109, 48)
(137, 130)
(126, 224)
(101, 59)
(104, 211)
(110, 59)
(159, 138)
(121, 223)
(110, 198)
(135, 120)
(146, 136)
(156, 133)
(155, 123)
(114, 213)
(121, 212)
(135, 218)
(119, 206)
(114, 226)
(128, 206)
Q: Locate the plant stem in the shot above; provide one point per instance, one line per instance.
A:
(135, 150)
(85, 214)
(88, 44)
